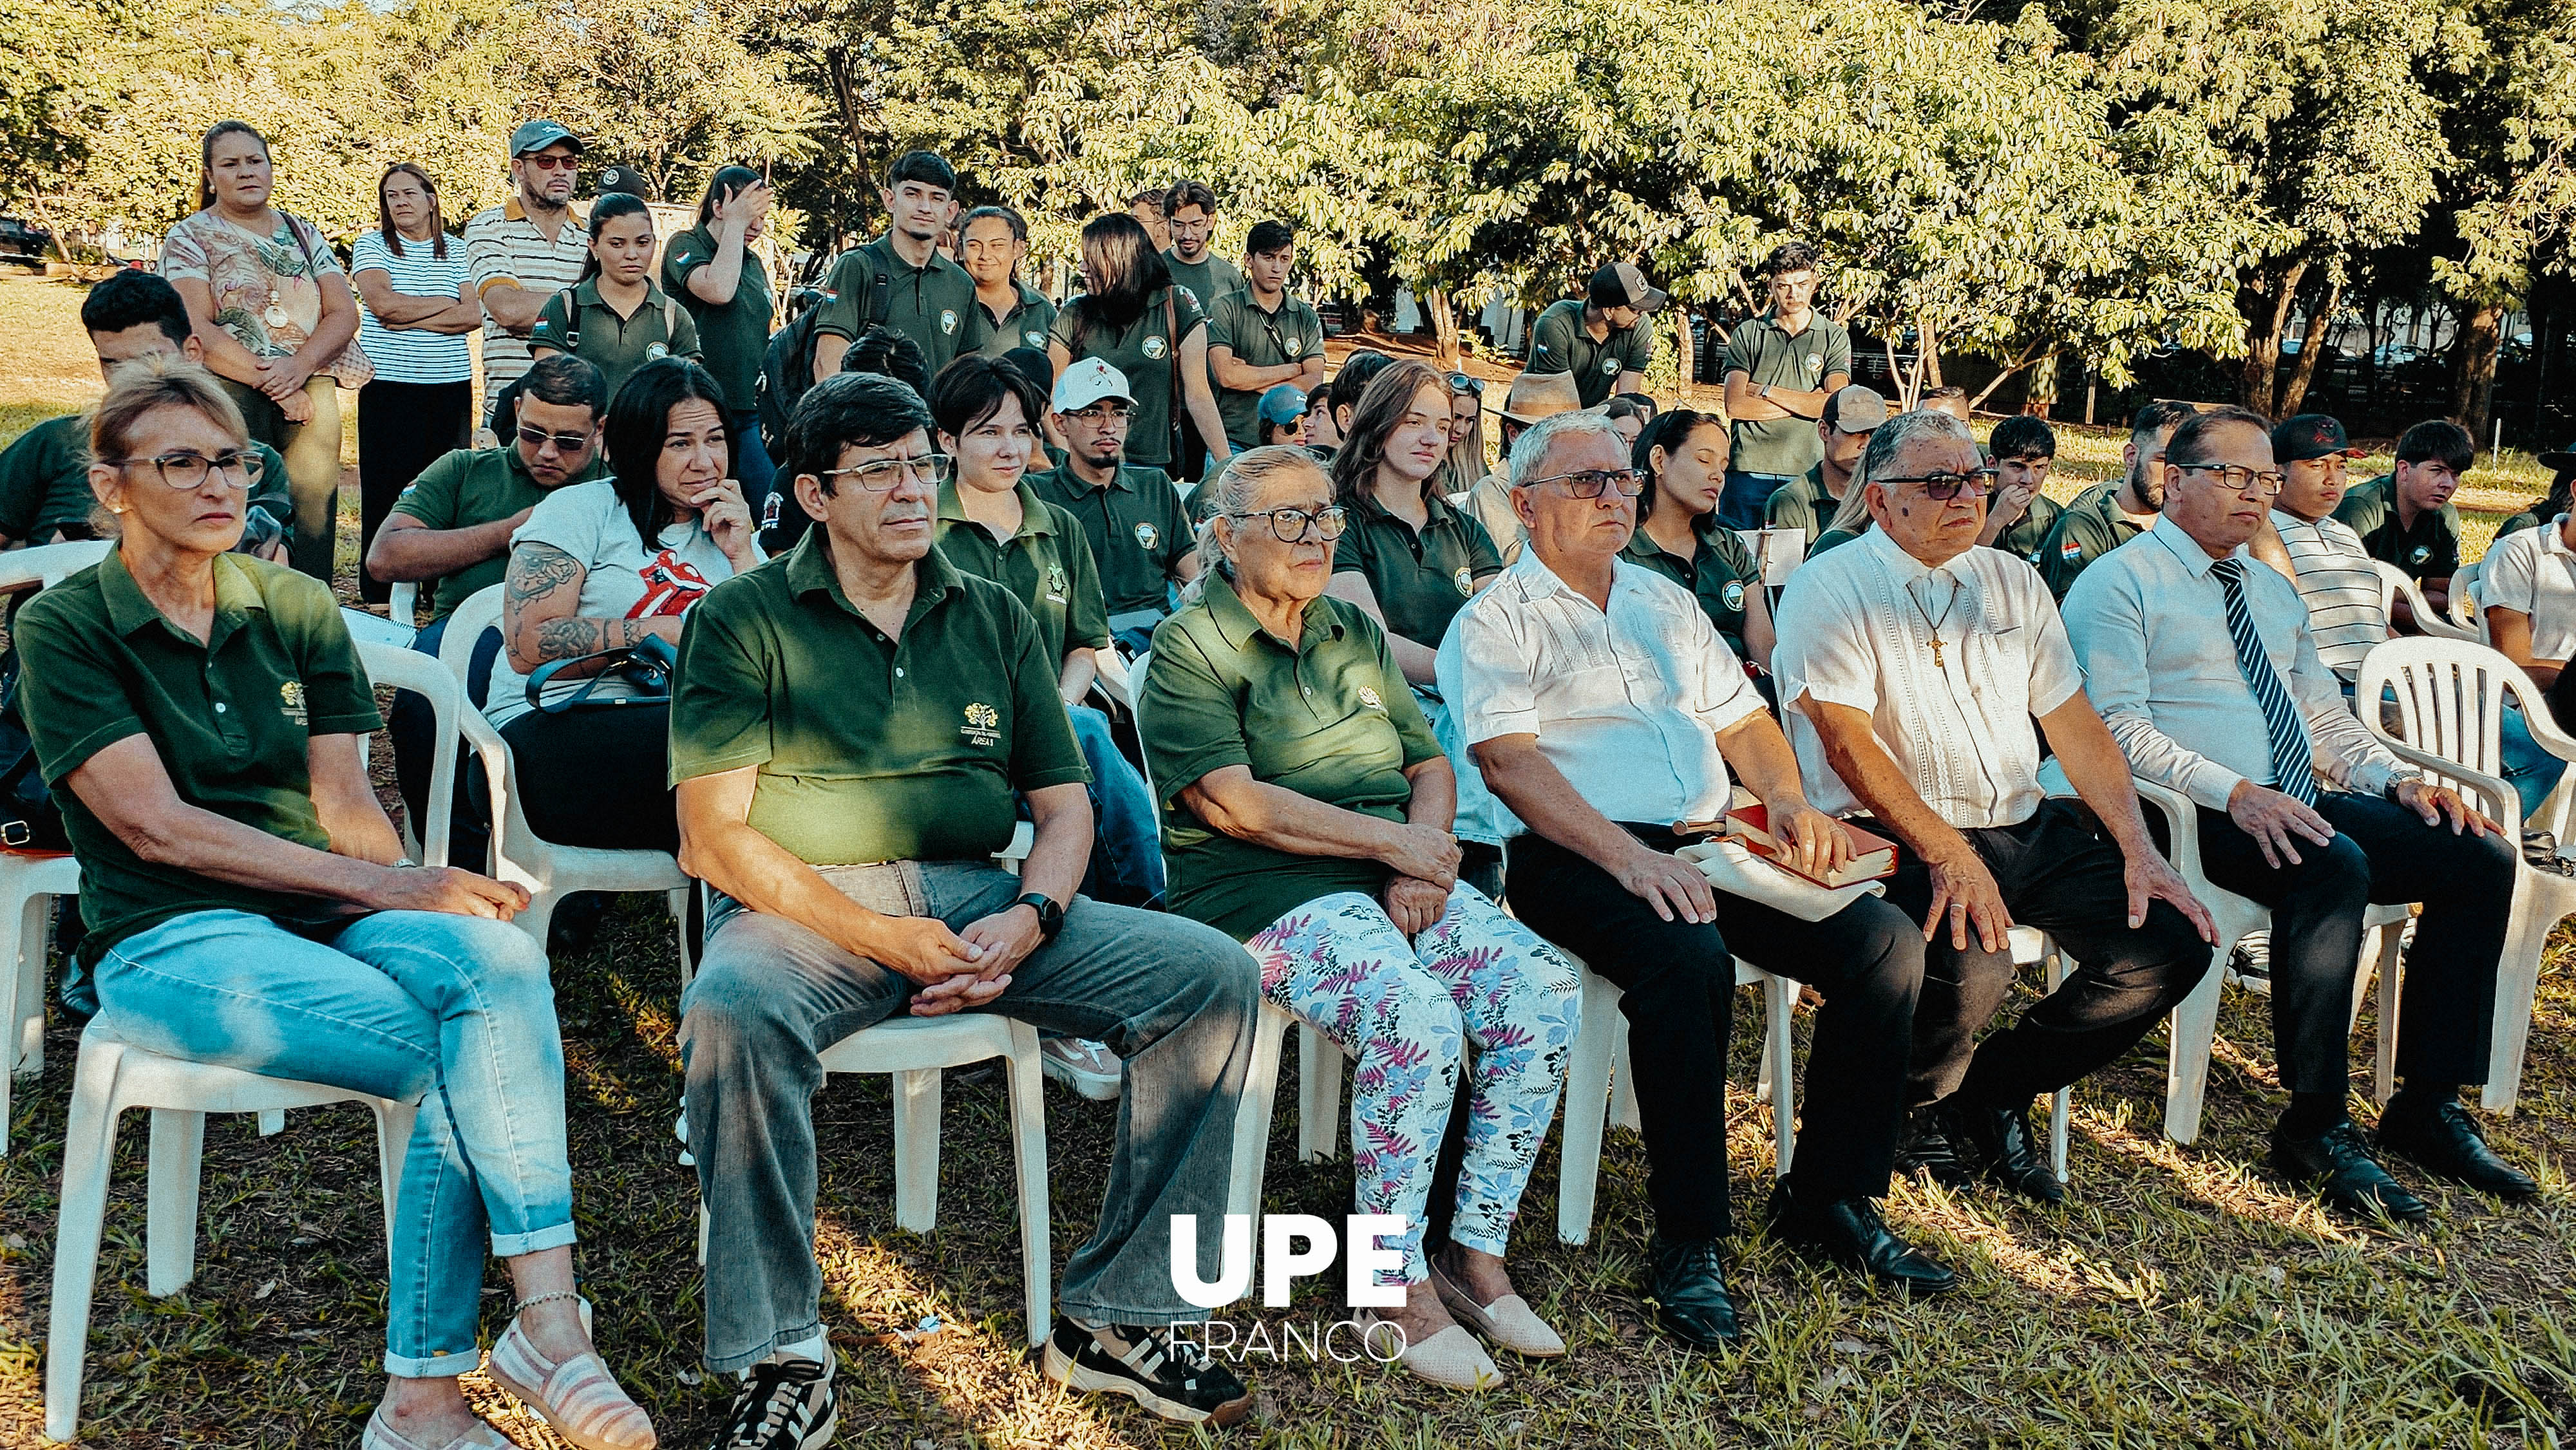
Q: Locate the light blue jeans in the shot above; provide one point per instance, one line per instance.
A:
(454, 1010)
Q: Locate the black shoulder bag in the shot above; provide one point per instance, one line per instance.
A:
(647, 666)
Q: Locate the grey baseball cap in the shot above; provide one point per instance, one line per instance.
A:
(1855, 409)
(538, 135)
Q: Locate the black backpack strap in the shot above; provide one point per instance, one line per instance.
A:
(880, 296)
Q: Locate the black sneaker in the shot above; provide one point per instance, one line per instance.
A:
(2251, 962)
(1171, 1378)
(786, 1404)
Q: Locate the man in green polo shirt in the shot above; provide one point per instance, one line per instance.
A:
(862, 701)
(1779, 369)
(1260, 337)
(2105, 516)
(1189, 215)
(1852, 413)
(2019, 515)
(1140, 535)
(900, 279)
(45, 495)
(992, 242)
(2406, 518)
(1602, 337)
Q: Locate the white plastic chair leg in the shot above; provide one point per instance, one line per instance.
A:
(916, 1149)
(272, 1121)
(394, 1122)
(170, 1217)
(2391, 944)
(2517, 987)
(89, 1147)
(1623, 1091)
(1029, 1156)
(2195, 1027)
(1779, 1001)
(540, 915)
(2061, 1104)
(1587, 1100)
(1252, 1118)
(27, 1011)
(679, 897)
(1319, 1096)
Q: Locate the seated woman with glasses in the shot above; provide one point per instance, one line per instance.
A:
(1682, 457)
(606, 566)
(199, 716)
(1306, 810)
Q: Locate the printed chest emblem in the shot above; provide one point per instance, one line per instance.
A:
(1465, 581)
(948, 320)
(1369, 697)
(1148, 535)
(290, 697)
(983, 725)
(1609, 367)
(1733, 594)
(1155, 347)
(655, 351)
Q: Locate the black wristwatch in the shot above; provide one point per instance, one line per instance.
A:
(1050, 913)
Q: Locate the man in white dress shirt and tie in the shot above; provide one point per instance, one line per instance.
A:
(1910, 666)
(2206, 668)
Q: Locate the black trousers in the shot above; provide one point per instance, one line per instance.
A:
(402, 429)
(2056, 872)
(1867, 960)
(2382, 853)
(598, 776)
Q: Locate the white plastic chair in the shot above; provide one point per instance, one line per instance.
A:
(2468, 598)
(402, 603)
(2395, 582)
(29, 882)
(549, 871)
(2450, 699)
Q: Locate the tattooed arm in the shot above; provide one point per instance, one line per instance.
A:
(539, 618)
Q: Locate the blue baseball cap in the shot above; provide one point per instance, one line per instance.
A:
(1283, 405)
(538, 135)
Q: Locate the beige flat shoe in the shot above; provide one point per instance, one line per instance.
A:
(381, 1436)
(577, 1398)
(1507, 1321)
(1451, 1359)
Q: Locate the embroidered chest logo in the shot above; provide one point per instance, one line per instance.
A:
(1148, 535)
(948, 319)
(1815, 363)
(290, 697)
(1733, 594)
(1369, 697)
(983, 725)
(655, 352)
(671, 585)
(1035, 339)
(1465, 581)
(2420, 553)
(1057, 584)
(1155, 347)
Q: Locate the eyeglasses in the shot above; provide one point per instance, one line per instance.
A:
(551, 163)
(563, 442)
(2237, 478)
(188, 470)
(1289, 526)
(887, 474)
(1589, 483)
(1461, 383)
(1943, 487)
(1102, 413)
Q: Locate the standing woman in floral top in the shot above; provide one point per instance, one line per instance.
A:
(273, 309)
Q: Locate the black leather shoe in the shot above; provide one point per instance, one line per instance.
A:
(1689, 1292)
(2344, 1174)
(1998, 1142)
(1926, 1149)
(1849, 1232)
(2444, 1137)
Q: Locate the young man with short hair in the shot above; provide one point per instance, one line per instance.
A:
(521, 253)
(1780, 367)
(1140, 535)
(900, 280)
(1259, 337)
(2318, 553)
(1602, 337)
(1189, 213)
(992, 243)
(2406, 517)
(1852, 413)
(2019, 515)
(2107, 515)
(1147, 208)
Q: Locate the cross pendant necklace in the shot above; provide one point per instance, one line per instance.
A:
(1946, 611)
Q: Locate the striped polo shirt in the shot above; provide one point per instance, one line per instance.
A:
(412, 354)
(502, 245)
(2341, 587)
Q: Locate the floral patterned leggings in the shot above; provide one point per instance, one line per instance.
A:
(1401, 1011)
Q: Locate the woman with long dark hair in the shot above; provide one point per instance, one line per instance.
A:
(417, 304)
(1683, 455)
(614, 318)
(606, 566)
(1154, 332)
(720, 281)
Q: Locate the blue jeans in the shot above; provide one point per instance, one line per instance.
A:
(454, 1010)
(1746, 501)
(2528, 766)
(1126, 837)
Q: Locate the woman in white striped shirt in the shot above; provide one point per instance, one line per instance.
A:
(417, 307)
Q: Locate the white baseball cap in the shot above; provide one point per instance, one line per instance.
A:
(1087, 382)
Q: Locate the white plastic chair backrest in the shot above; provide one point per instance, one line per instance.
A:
(481, 610)
(1778, 551)
(404, 669)
(1136, 714)
(2393, 582)
(2468, 595)
(1113, 670)
(2449, 698)
(49, 564)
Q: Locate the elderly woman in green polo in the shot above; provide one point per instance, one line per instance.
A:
(198, 714)
(1306, 810)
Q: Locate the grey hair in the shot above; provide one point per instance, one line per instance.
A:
(1243, 480)
(1905, 428)
(1530, 450)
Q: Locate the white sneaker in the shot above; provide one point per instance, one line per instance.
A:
(1087, 1067)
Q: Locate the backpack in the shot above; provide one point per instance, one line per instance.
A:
(29, 819)
(787, 364)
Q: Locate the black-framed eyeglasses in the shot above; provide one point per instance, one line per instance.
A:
(1943, 487)
(563, 442)
(1461, 383)
(188, 468)
(1289, 526)
(1102, 413)
(885, 475)
(1590, 482)
(2237, 478)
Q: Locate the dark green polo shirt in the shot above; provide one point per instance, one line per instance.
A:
(1138, 530)
(2090, 527)
(1834, 539)
(2430, 550)
(1559, 343)
(1421, 579)
(735, 336)
(576, 321)
(1147, 351)
(2527, 519)
(2028, 532)
(1770, 357)
(932, 305)
(1330, 719)
(1046, 566)
(231, 719)
(1026, 326)
(1802, 503)
(1265, 340)
(871, 749)
(44, 486)
(1208, 280)
(1717, 574)
(473, 486)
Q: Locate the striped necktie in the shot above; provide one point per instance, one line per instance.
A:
(2293, 768)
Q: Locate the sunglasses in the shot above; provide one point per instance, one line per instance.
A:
(1943, 487)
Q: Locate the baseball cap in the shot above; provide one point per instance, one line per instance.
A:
(538, 135)
(1855, 409)
(626, 179)
(1087, 382)
(2310, 435)
(1283, 405)
(1621, 285)
(2560, 461)
(1541, 395)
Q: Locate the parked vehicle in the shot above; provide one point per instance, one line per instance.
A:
(23, 242)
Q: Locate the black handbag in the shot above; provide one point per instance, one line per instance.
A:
(647, 666)
(29, 820)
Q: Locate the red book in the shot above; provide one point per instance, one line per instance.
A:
(1873, 855)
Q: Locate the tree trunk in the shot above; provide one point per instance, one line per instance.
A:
(1928, 361)
(2473, 367)
(1689, 371)
(2029, 359)
(836, 66)
(2294, 392)
(1444, 326)
(2264, 323)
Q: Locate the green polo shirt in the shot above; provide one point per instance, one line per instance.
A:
(1208, 280)
(871, 749)
(44, 486)
(1834, 539)
(231, 719)
(1138, 531)
(1717, 573)
(1761, 351)
(932, 305)
(735, 336)
(1421, 579)
(1265, 340)
(1046, 566)
(576, 321)
(1146, 350)
(2030, 531)
(2085, 530)
(1802, 503)
(1329, 718)
(472, 486)
(2527, 519)
(1559, 343)
(2430, 550)
(1026, 326)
